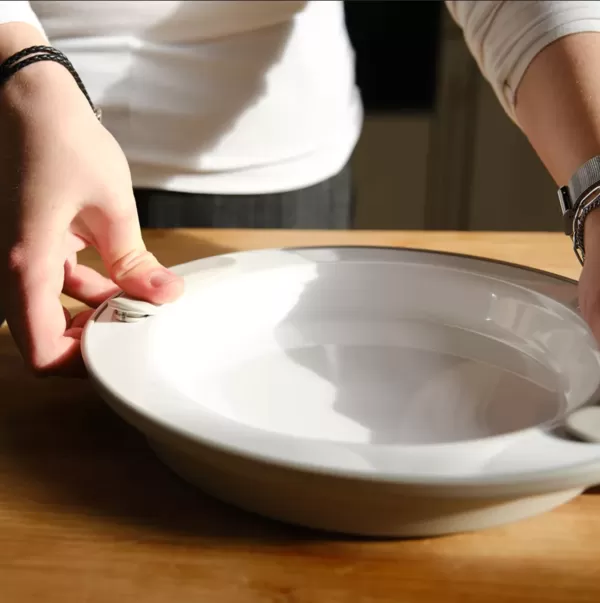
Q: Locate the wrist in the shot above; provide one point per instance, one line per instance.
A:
(45, 81)
(579, 199)
(41, 87)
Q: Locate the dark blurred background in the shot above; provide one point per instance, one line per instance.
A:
(384, 36)
(437, 150)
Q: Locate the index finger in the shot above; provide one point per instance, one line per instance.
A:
(34, 312)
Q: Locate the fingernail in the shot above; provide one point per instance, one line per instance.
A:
(162, 278)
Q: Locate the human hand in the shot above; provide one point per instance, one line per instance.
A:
(64, 185)
(589, 281)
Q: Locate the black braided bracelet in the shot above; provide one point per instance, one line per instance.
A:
(36, 54)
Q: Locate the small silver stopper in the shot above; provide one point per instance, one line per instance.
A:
(128, 309)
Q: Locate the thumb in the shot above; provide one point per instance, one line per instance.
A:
(131, 266)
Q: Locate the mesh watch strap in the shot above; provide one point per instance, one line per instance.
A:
(580, 197)
(584, 178)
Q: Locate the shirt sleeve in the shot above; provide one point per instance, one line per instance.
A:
(12, 11)
(505, 36)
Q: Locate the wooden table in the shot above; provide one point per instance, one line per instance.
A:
(88, 515)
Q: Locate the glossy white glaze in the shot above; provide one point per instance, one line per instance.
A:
(585, 424)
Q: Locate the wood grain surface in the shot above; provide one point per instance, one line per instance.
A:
(88, 515)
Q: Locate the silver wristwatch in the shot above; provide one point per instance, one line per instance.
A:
(578, 199)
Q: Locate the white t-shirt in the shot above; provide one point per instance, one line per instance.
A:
(256, 97)
(216, 97)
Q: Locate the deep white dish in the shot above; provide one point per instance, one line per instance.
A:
(374, 391)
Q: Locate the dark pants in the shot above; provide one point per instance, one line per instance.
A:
(327, 205)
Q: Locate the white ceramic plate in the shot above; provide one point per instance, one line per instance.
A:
(365, 390)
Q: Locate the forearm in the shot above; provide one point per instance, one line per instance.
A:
(16, 36)
(19, 28)
(543, 61)
(558, 104)
(558, 108)
(42, 83)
